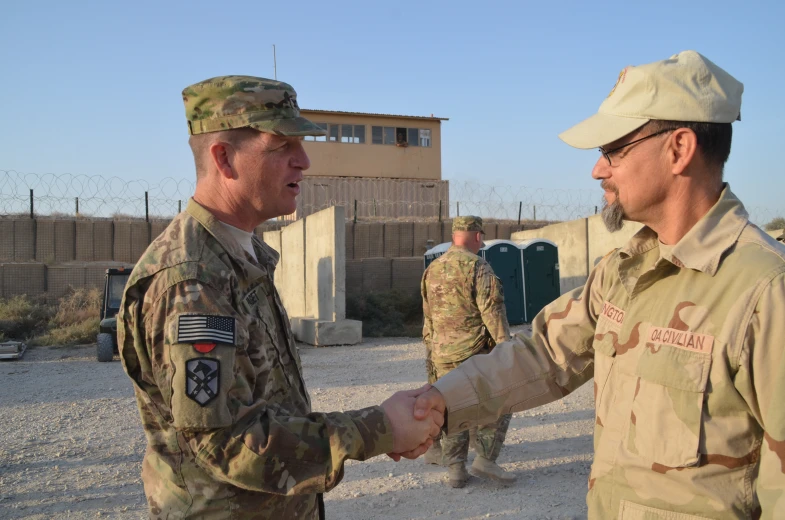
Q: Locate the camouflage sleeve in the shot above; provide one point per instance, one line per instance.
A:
(529, 371)
(231, 433)
(761, 382)
(490, 301)
(427, 331)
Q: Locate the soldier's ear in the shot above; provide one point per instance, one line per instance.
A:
(221, 156)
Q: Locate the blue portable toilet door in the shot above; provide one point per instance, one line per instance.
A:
(504, 258)
(541, 275)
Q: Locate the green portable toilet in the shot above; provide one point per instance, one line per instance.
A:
(505, 259)
(541, 285)
(435, 252)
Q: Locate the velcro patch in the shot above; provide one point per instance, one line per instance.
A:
(203, 379)
(686, 340)
(198, 328)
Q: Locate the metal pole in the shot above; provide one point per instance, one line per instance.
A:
(275, 65)
(31, 203)
(77, 206)
(595, 210)
(520, 208)
(458, 206)
(374, 207)
(146, 208)
(179, 206)
(355, 211)
(535, 213)
(440, 210)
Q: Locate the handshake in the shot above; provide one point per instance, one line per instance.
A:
(417, 417)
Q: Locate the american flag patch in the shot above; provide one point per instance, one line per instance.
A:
(195, 328)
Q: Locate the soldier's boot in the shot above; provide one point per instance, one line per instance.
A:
(434, 454)
(457, 474)
(482, 467)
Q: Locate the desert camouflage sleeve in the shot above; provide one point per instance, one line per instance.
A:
(527, 372)
(761, 382)
(490, 301)
(236, 437)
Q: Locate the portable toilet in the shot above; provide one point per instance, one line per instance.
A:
(541, 285)
(435, 252)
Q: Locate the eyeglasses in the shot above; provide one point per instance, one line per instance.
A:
(607, 153)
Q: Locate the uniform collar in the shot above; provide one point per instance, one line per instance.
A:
(267, 256)
(703, 245)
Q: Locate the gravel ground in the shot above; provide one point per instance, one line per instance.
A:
(72, 443)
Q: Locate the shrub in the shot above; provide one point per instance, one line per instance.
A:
(776, 223)
(76, 320)
(22, 317)
(387, 314)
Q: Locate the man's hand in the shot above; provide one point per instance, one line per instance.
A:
(429, 402)
(411, 437)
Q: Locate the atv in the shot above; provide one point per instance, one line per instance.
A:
(114, 285)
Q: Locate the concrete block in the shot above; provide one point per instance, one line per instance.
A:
(601, 241)
(65, 239)
(392, 239)
(376, 240)
(503, 231)
(24, 278)
(290, 274)
(24, 240)
(349, 237)
(407, 273)
(377, 273)
(323, 333)
(45, 241)
(407, 238)
(325, 265)
(85, 251)
(103, 240)
(6, 240)
(273, 239)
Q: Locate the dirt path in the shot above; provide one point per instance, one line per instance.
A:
(72, 443)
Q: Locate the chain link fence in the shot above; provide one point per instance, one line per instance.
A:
(60, 195)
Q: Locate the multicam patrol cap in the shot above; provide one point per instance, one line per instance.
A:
(686, 87)
(228, 102)
(467, 223)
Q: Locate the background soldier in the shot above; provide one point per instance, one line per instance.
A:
(682, 328)
(207, 343)
(463, 304)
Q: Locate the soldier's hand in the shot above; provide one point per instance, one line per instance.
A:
(429, 402)
(411, 437)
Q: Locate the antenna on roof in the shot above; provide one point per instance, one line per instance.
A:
(275, 65)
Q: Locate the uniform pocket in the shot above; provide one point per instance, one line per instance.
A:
(667, 408)
(632, 511)
(604, 358)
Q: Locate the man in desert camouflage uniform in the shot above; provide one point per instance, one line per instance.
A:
(463, 305)
(682, 328)
(207, 342)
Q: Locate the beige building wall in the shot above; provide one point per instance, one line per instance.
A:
(345, 159)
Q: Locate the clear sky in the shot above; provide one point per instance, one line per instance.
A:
(94, 87)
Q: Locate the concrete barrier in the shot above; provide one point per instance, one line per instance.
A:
(420, 238)
(140, 239)
(24, 278)
(157, 227)
(59, 278)
(349, 237)
(490, 230)
(406, 241)
(325, 265)
(85, 249)
(273, 239)
(354, 278)
(362, 240)
(45, 241)
(503, 231)
(446, 232)
(103, 240)
(601, 241)
(375, 240)
(290, 281)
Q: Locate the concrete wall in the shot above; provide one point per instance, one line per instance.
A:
(325, 265)
(290, 274)
(582, 243)
(776, 233)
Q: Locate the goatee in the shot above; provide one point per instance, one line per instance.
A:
(613, 213)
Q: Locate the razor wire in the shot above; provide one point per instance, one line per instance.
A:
(68, 195)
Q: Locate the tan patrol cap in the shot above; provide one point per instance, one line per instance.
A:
(687, 87)
(467, 223)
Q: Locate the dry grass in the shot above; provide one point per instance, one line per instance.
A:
(393, 313)
(73, 321)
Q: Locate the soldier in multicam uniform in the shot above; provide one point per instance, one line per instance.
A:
(207, 343)
(682, 328)
(463, 305)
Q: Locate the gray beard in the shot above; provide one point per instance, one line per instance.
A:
(613, 214)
